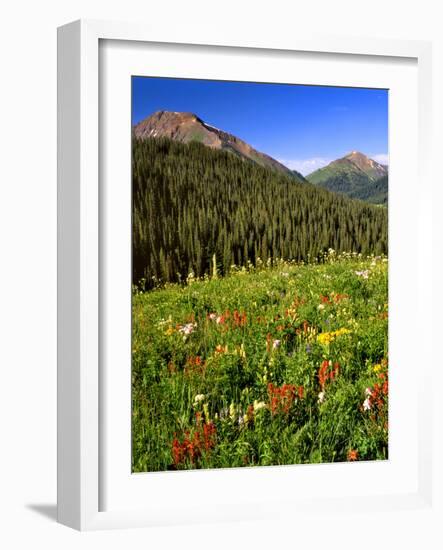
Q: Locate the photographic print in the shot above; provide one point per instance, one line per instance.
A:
(259, 274)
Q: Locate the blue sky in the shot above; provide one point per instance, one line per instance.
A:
(305, 127)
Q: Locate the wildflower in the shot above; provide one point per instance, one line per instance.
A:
(308, 348)
(241, 351)
(352, 455)
(198, 398)
(221, 349)
(194, 444)
(339, 297)
(364, 274)
(212, 316)
(327, 337)
(321, 306)
(194, 364)
(321, 397)
(327, 371)
(188, 328)
(206, 411)
(177, 451)
(240, 319)
(232, 411)
(282, 398)
(169, 331)
(377, 368)
(367, 404)
(342, 331)
(258, 405)
(276, 344)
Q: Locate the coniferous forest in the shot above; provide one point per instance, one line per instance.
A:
(191, 202)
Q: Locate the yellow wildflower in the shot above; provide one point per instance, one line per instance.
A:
(326, 338)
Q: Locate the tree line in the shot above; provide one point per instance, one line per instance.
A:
(191, 202)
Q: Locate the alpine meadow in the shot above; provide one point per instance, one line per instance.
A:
(259, 287)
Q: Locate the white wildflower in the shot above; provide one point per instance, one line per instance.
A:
(198, 398)
(321, 397)
(276, 344)
(366, 404)
(188, 328)
(258, 405)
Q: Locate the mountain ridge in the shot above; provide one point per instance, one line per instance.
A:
(185, 127)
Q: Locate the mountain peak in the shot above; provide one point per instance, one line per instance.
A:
(355, 154)
(178, 116)
(372, 168)
(186, 127)
(355, 175)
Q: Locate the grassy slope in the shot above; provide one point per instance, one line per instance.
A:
(232, 362)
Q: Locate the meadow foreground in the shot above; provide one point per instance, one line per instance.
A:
(272, 365)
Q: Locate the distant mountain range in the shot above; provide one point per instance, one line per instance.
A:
(187, 127)
(354, 175)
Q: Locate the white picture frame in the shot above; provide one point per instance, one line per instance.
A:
(81, 411)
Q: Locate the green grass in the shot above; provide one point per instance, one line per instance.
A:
(267, 366)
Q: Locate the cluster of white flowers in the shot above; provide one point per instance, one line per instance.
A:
(188, 328)
(364, 274)
(367, 401)
(321, 397)
(190, 278)
(258, 405)
(164, 322)
(198, 399)
(276, 344)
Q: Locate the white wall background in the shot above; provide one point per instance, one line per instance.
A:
(28, 258)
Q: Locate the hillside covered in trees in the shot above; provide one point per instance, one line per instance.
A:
(191, 202)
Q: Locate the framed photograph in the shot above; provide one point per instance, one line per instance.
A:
(242, 242)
